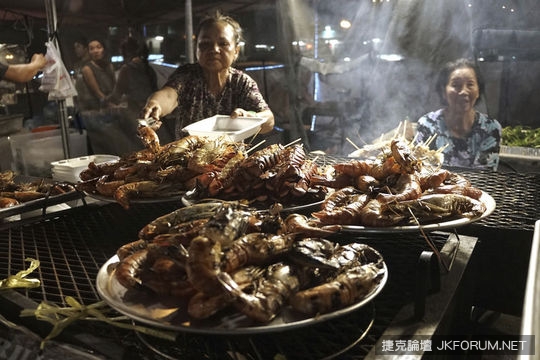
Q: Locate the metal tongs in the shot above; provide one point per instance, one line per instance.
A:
(147, 122)
(150, 122)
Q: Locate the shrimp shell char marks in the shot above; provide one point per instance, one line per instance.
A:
(229, 222)
(202, 305)
(270, 293)
(256, 249)
(456, 204)
(346, 289)
(315, 252)
(164, 223)
(179, 152)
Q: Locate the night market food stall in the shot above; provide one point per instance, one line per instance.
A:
(81, 257)
(84, 267)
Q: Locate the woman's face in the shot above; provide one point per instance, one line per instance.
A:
(96, 50)
(462, 89)
(216, 47)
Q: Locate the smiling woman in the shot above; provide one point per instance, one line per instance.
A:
(467, 137)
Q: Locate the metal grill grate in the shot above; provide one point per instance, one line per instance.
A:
(517, 197)
(72, 245)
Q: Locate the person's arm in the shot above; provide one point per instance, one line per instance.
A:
(25, 72)
(253, 104)
(160, 103)
(121, 86)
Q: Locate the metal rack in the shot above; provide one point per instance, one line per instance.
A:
(72, 245)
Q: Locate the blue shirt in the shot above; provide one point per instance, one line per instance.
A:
(480, 149)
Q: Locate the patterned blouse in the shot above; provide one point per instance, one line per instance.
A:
(480, 149)
(195, 102)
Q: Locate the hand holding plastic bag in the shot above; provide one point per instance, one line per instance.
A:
(56, 80)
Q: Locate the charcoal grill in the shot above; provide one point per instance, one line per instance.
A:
(73, 244)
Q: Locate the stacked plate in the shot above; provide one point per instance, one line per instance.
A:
(69, 169)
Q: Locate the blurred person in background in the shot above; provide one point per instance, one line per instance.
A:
(470, 139)
(211, 86)
(21, 73)
(136, 80)
(99, 77)
(98, 82)
(80, 47)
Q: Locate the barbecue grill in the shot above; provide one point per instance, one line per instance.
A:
(73, 244)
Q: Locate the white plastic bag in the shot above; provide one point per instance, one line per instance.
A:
(56, 80)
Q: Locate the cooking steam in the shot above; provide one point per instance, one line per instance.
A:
(379, 70)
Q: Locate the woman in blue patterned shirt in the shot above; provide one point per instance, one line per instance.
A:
(211, 86)
(470, 138)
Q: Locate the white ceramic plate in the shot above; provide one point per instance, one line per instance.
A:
(171, 315)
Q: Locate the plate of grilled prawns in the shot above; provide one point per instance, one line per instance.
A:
(404, 189)
(221, 268)
(205, 168)
(18, 193)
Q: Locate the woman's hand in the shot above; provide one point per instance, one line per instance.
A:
(152, 109)
(239, 112)
(266, 114)
(150, 115)
(159, 104)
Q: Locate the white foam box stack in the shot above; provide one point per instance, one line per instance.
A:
(69, 169)
(33, 152)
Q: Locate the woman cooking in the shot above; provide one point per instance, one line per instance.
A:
(469, 137)
(211, 86)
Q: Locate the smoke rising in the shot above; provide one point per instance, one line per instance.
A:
(375, 93)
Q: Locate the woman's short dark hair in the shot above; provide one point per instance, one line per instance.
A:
(448, 69)
(99, 40)
(81, 40)
(217, 17)
(131, 47)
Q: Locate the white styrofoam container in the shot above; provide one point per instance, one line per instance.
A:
(236, 129)
(33, 152)
(69, 169)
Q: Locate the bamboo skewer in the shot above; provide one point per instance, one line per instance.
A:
(254, 136)
(293, 142)
(255, 146)
(441, 149)
(353, 144)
